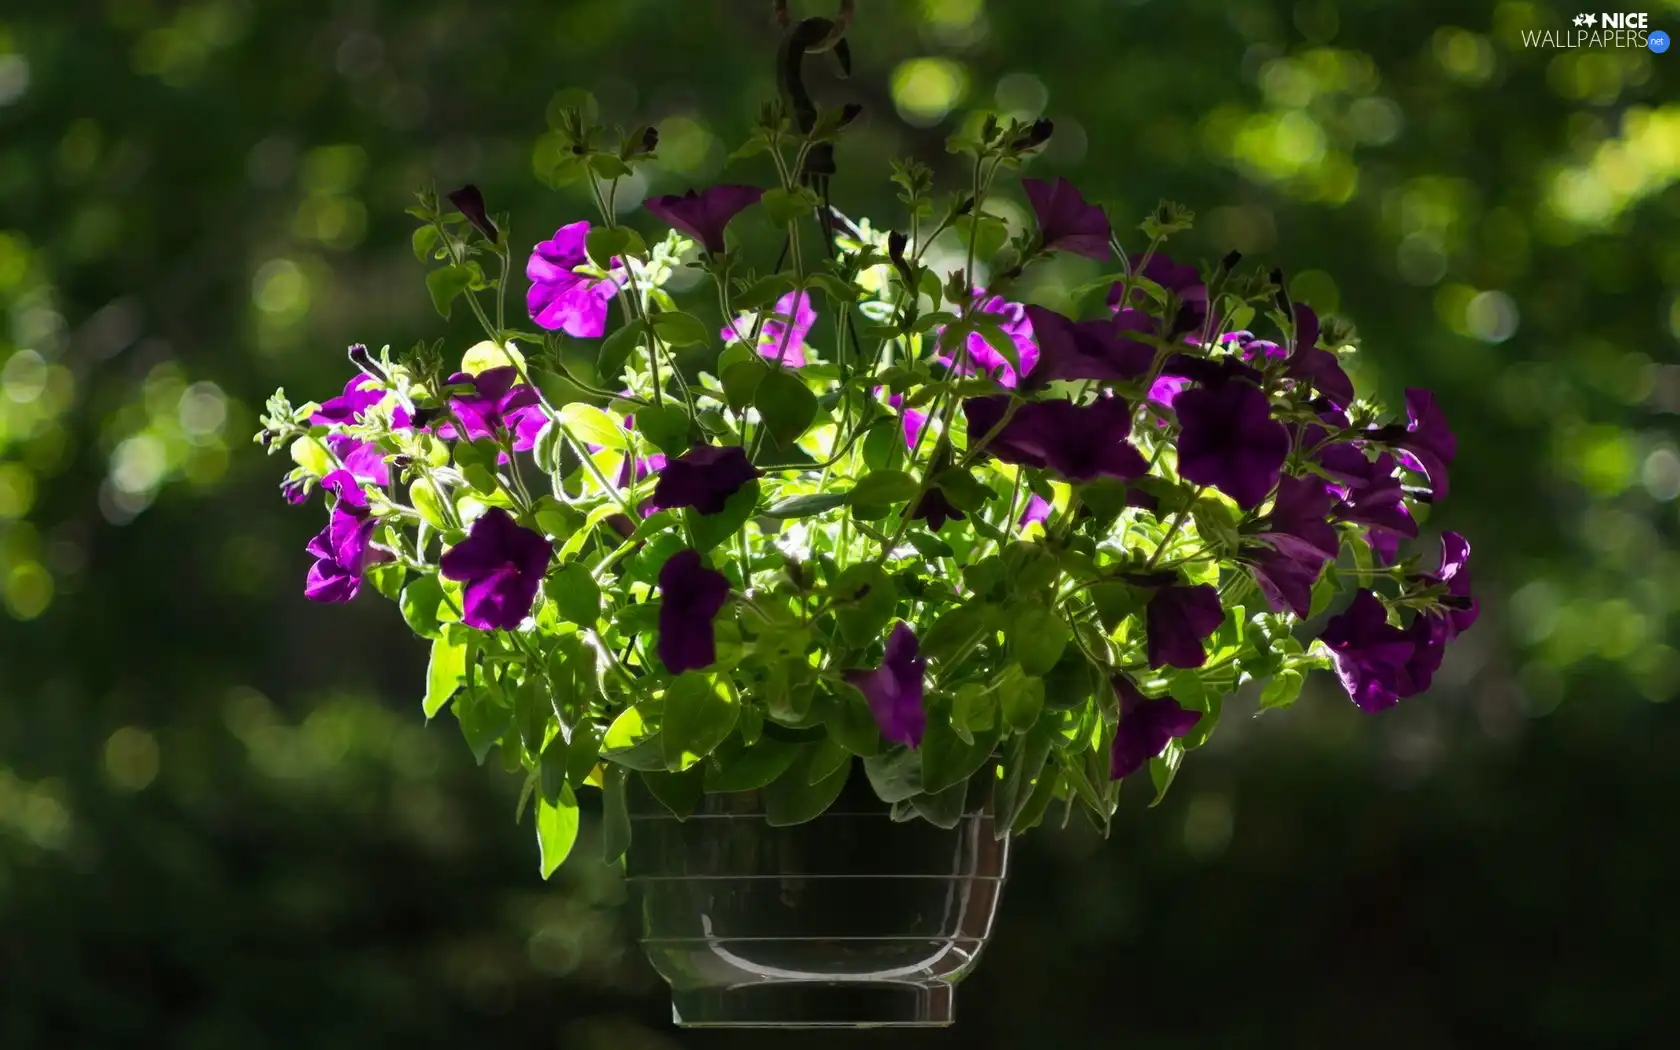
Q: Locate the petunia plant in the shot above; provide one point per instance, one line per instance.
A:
(743, 530)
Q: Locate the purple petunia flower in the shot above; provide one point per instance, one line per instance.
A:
(894, 690)
(1454, 571)
(691, 593)
(704, 478)
(1369, 653)
(1072, 350)
(1298, 541)
(982, 358)
(1066, 221)
(499, 403)
(1177, 620)
(295, 490)
(469, 201)
(344, 549)
(364, 459)
(1249, 348)
(1285, 582)
(914, 419)
(502, 564)
(1320, 368)
(1038, 509)
(1079, 442)
(935, 509)
(560, 298)
(776, 329)
(1427, 445)
(1145, 727)
(703, 216)
(1229, 440)
(1369, 490)
(1181, 281)
(360, 394)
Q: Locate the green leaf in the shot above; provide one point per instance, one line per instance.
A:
(712, 529)
(444, 673)
(870, 597)
(665, 426)
(424, 241)
(1029, 567)
(806, 506)
(426, 501)
(679, 329)
(604, 242)
(942, 809)
(677, 792)
(631, 742)
(583, 754)
(484, 718)
(575, 594)
(989, 233)
(954, 631)
(895, 774)
(1037, 637)
(828, 757)
(616, 348)
(999, 340)
(1020, 697)
(784, 206)
(591, 424)
(1044, 789)
(615, 813)
(557, 829)
(1163, 768)
(882, 488)
(1323, 592)
(1023, 766)
(763, 292)
(699, 714)
(849, 723)
(749, 768)
(929, 546)
(785, 404)
(446, 284)
(839, 292)
(792, 799)
(740, 382)
(552, 767)
(1282, 691)
(947, 759)
(419, 602)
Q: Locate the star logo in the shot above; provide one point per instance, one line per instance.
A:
(1580, 20)
(1591, 19)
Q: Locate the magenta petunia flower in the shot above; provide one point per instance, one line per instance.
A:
(560, 298)
(344, 549)
(1072, 350)
(1230, 441)
(502, 565)
(1079, 442)
(914, 419)
(1248, 347)
(364, 459)
(703, 215)
(1066, 221)
(982, 359)
(1038, 509)
(894, 690)
(690, 596)
(776, 328)
(360, 394)
(1370, 654)
(498, 404)
(1177, 620)
(1145, 727)
(704, 478)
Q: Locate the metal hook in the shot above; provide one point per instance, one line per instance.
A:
(837, 28)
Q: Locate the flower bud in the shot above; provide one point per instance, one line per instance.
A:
(1229, 263)
(360, 357)
(850, 112)
(1036, 135)
(470, 202)
(650, 140)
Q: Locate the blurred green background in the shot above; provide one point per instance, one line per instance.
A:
(222, 820)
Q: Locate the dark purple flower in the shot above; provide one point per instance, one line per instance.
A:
(776, 329)
(1145, 727)
(469, 201)
(1079, 442)
(703, 216)
(1286, 582)
(502, 564)
(1298, 524)
(1454, 571)
(1369, 653)
(1072, 350)
(344, 549)
(1177, 620)
(1320, 368)
(360, 394)
(1038, 509)
(704, 478)
(560, 298)
(295, 490)
(1369, 489)
(1428, 444)
(1066, 221)
(653, 464)
(935, 509)
(1249, 348)
(894, 690)
(982, 358)
(1181, 281)
(691, 593)
(499, 403)
(1229, 440)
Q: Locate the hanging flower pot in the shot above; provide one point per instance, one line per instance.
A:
(852, 919)
(831, 574)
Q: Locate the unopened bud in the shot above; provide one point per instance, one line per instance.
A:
(1229, 263)
(1036, 135)
(360, 357)
(850, 112)
(469, 201)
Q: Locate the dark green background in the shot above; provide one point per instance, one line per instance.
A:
(222, 821)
